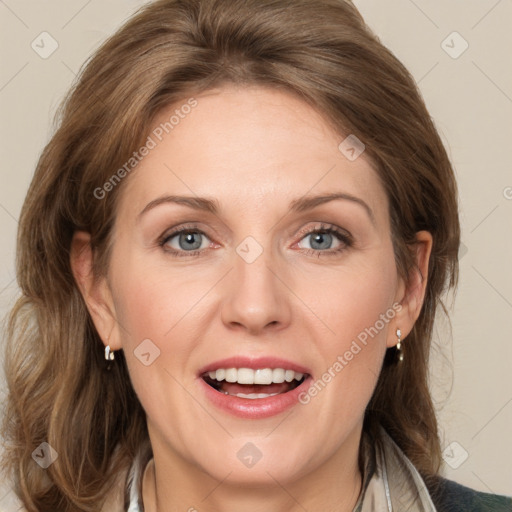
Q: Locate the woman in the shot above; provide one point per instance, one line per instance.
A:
(185, 340)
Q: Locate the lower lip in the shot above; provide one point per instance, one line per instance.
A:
(256, 408)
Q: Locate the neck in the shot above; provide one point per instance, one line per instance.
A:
(335, 485)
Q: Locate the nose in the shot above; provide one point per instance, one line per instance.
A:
(257, 298)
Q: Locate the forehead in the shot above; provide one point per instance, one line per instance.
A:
(248, 146)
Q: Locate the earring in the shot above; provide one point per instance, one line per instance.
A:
(399, 345)
(109, 356)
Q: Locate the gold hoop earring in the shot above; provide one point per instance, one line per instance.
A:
(399, 345)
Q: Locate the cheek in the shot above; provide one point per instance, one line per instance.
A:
(149, 301)
(365, 310)
(149, 312)
(157, 310)
(355, 299)
(358, 312)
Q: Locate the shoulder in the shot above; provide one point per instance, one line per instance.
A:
(449, 496)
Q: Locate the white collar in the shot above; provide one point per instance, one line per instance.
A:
(133, 479)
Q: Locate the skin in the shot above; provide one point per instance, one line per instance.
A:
(254, 150)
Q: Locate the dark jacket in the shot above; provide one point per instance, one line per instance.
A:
(449, 496)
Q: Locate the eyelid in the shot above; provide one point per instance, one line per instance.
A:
(325, 227)
(171, 233)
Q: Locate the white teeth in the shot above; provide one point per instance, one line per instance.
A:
(231, 375)
(255, 395)
(245, 376)
(259, 376)
(278, 375)
(263, 376)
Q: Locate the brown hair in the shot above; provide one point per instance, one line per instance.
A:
(320, 50)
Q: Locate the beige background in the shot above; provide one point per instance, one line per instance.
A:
(470, 99)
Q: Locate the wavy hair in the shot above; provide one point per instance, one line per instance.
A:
(320, 50)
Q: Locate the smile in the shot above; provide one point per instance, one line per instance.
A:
(254, 388)
(253, 384)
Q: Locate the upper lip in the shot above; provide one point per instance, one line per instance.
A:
(254, 363)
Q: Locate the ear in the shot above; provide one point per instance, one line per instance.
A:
(411, 292)
(94, 290)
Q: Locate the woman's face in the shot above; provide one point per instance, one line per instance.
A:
(251, 285)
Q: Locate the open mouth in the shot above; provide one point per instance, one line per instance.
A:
(253, 384)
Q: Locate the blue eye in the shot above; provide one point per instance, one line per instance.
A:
(321, 239)
(190, 239)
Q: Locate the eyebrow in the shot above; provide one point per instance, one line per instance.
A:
(297, 205)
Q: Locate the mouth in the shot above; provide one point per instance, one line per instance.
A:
(254, 384)
(254, 388)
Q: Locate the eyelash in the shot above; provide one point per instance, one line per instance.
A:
(342, 236)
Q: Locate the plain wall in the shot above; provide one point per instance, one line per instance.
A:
(470, 98)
